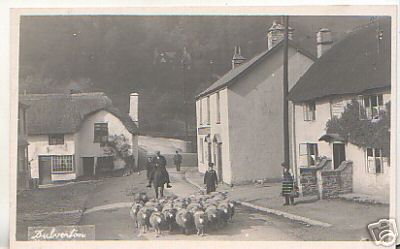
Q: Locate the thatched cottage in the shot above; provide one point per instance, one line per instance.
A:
(67, 133)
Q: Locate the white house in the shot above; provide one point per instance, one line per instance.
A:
(355, 68)
(67, 131)
(240, 116)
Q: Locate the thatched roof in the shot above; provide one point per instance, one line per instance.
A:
(64, 113)
(357, 64)
(234, 74)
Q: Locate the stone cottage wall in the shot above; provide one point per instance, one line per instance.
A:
(308, 182)
(338, 181)
(327, 183)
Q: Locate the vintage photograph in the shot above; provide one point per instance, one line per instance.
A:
(204, 128)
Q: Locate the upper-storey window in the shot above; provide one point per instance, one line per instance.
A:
(56, 139)
(218, 108)
(208, 110)
(201, 111)
(372, 106)
(309, 111)
(100, 133)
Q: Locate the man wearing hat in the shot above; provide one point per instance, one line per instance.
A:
(287, 185)
(210, 179)
(160, 161)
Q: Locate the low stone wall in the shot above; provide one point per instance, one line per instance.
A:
(338, 181)
(308, 182)
(327, 183)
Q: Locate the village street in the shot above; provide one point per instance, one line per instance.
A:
(108, 209)
(113, 222)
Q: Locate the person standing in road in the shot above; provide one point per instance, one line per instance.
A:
(178, 161)
(287, 185)
(210, 179)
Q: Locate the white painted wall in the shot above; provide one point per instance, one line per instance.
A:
(39, 146)
(85, 137)
(221, 128)
(79, 144)
(256, 117)
(311, 131)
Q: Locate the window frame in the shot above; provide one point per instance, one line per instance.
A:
(67, 169)
(374, 158)
(218, 112)
(201, 111)
(309, 114)
(56, 139)
(366, 102)
(208, 111)
(99, 138)
(308, 153)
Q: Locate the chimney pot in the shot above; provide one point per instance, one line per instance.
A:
(134, 107)
(237, 58)
(324, 41)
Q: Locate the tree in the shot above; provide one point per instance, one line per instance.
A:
(119, 147)
(360, 131)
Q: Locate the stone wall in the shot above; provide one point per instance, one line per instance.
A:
(308, 181)
(327, 183)
(338, 181)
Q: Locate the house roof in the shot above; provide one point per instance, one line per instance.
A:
(354, 65)
(64, 113)
(231, 76)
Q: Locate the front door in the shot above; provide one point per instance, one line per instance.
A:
(339, 155)
(219, 162)
(88, 166)
(44, 169)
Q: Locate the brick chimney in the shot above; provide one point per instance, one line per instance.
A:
(324, 41)
(237, 58)
(276, 33)
(134, 107)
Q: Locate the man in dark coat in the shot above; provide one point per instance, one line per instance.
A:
(160, 161)
(210, 179)
(149, 166)
(178, 161)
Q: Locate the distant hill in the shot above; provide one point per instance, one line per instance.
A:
(123, 54)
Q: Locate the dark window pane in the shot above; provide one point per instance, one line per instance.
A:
(380, 99)
(378, 165)
(369, 152)
(366, 101)
(374, 100)
(377, 152)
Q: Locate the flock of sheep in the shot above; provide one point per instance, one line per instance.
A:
(198, 212)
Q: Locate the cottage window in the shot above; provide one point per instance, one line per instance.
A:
(309, 111)
(208, 110)
(374, 160)
(308, 153)
(100, 132)
(218, 108)
(62, 164)
(371, 106)
(56, 139)
(201, 111)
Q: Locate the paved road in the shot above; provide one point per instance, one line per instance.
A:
(115, 223)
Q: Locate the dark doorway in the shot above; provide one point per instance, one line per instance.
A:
(44, 169)
(339, 155)
(88, 166)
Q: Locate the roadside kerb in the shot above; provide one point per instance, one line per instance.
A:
(273, 211)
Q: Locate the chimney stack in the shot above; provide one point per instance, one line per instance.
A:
(324, 41)
(134, 107)
(237, 58)
(276, 33)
